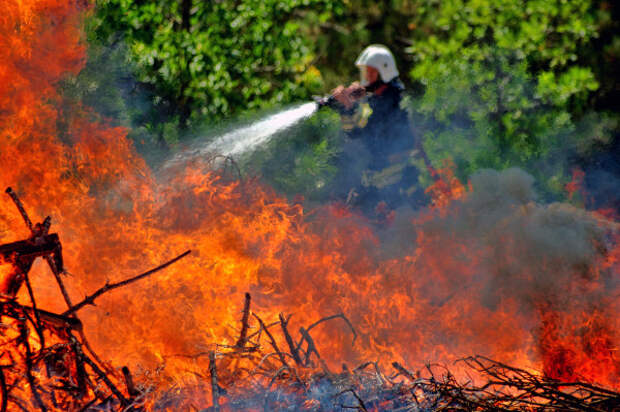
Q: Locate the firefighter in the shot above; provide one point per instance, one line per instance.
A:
(381, 142)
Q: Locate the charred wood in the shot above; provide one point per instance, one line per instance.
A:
(244, 322)
(4, 391)
(131, 388)
(274, 345)
(215, 390)
(90, 300)
(54, 320)
(289, 340)
(20, 207)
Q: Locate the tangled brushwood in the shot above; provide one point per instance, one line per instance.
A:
(296, 378)
(47, 364)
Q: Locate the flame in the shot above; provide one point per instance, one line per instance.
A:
(576, 184)
(446, 187)
(592, 356)
(443, 284)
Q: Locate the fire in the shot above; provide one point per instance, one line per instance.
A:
(6, 270)
(575, 186)
(486, 271)
(446, 186)
(592, 356)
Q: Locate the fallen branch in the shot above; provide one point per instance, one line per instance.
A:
(289, 340)
(362, 405)
(311, 346)
(403, 371)
(244, 322)
(131, 388)
(39, 230)
(105, 379)
(90, 300)
(272, 340)
(214, 386)
(20, 207)
(38, 324)
(5, 391)
(23, 337)
(341, 316)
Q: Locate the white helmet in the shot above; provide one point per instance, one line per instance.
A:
(381, 58)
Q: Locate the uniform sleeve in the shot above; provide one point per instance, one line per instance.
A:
(355, 118)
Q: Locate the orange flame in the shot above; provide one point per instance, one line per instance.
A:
(446, 286)
(446, 186)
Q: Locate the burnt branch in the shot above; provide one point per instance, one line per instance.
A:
(311, 346)
(244, 322)
(23, 333)
(131, 388)
(5, 391)
(38, 324)
(403, 371)
(105, 379)
(362, 405)
(289, 340)
(90, 300)
(90, 350)
(215, 390)
(274, 345)
(20, 207)
(341, 316)
(38, 230)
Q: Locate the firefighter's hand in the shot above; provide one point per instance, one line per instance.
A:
(348, 95)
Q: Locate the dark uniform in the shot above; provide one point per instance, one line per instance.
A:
(376, 158)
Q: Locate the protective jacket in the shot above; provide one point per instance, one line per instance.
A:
(381, 124)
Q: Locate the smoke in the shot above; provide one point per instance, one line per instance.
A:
(602, 178)
(550, 266)
(495, 273)
(531, 250)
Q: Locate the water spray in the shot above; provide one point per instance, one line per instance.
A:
(245, 139)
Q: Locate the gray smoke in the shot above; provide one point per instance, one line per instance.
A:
(530, 251)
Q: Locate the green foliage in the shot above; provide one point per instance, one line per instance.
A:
(300, 160)
(96, 86)
(503, 80)
(214, 59)
(107, 85)
(341, 35)
(495, 83)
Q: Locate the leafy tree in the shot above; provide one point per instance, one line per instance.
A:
(503, 79)
(496, 83)
(302, 158)
(214, 59)
(339, 38)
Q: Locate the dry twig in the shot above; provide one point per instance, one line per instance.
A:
(90, 300)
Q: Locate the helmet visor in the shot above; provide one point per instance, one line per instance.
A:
(364, 76)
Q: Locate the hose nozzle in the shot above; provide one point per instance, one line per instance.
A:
(326, 101)
(331, 102)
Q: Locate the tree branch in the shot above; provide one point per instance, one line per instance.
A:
(90, 300)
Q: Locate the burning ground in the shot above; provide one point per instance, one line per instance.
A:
(487, 270)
